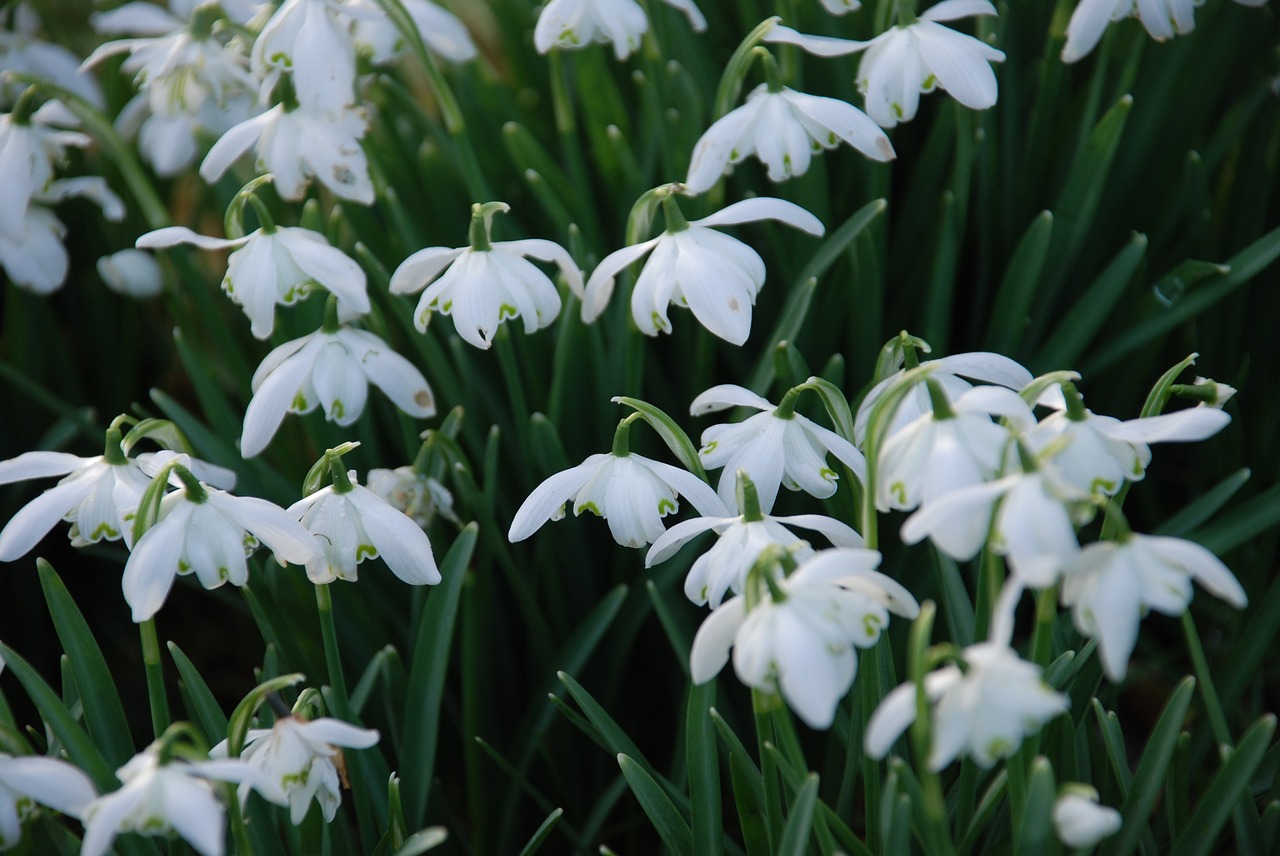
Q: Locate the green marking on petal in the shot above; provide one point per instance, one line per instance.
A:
(999, 748)
(337, 411)
(828, 474)
(899, 491)
(832, 138)
(897, 109)
(665, 507)
(587, 506)
(707, 449)
(299, 402)
(448, 304)
(871, 625)
(366, 551)
(1137, 468)
(104, 530)
(506, 311)
(1101, 485)
(929, 83)
(183, 567)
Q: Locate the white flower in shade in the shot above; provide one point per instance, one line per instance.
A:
(208, 533)
(1099, 452)
(29, 779)
(132, 273)
(159, 799)
(357, 524)
(776, 447)
(296, 145)
(333, 369)
(693, 265)
(904, 61)
(22, 50)
(276, 266)
(303, 759)
(936, 454)
(440, 30)
(799, 638)
(841, 7)
(783, 128)
(1111, 585)
(1163, 19)
(631, 492)
(739, 543)
(982, 711)
(1079, 820)
(484, 284)
(416, 494)
(311, 41)
(574, 23)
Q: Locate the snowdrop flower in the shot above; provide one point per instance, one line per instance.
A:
(207, 532)
(483, 284)
(132, 273)
(29, 779)
(440, 30)
(1163, 20)
(915, 57)
(982, 711)
(1111, 585)
(415, 493)
(276, 265)
(1100, 452)
(299, 757)
(332, 367)
(1079, 820)
(352, 523)
(776, 446)
(158, 798)
(632, 492)
(783, 128)
(296, 144)
(799, 635)
(22, 50)
(956, 445)
(312, 41)
(573, 23)
(693, 265)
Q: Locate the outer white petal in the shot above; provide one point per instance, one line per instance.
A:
(50, 782)
(195, 813)
(696, 20)
(1190, 425)
(34, 520)
(897, 711)
(957, 522)
(839, 534)
(1081, 822)
(846, 122)
(104, 816)
(960, 67)
(171, 236)
(823, 46)
(335, 732)
(273, 396)
(845, 452)
(547, 500)
(1204, 566)
(236, 142)
(415, 272)
(39, 465)
(327, 265)
(724, 396)
(950, 10)
(677, 536)
(812, 681)
(270, 524)
(719, 297)
(764, 208)
(153, 564)
(1088, 22)
(398, 378)
(548, 251)
(399, 541)
(713, 640)
(717, 146)
(599, 287)
(692, 488)
(985, 366)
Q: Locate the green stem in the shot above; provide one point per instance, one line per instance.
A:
(329, 631)
(762, 704)
(1204, 680)
(1042, 636)
(155, 676)
(239, 831)
(990, 581)
(566, 124)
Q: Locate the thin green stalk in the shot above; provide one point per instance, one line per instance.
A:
(762, 703)
(934, 806)
(515, 387)
(990, 580)
(1204, 680)
(1042, 636)
(239, 832)
(566, 124)
(155, 677)
(333, 662)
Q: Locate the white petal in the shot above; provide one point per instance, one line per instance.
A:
(950, 10)
(717, 146)
(839, 534)
(846, 122)
(957, 522)
(891, 718)
(399, 541)
(273, 396)
(958, 62)
(599, 287)
(986, 366)
(34, 520)
(548, 251)
(1190, 425)
(692, 488)
(39, 465)
(398, 378)
(327, 265)
(764, 208)
(149, 572)
(823, 46)
(713, 640)
(338, 733)
(417, 271)
(234, 143)
(171, 236)
(547, 500)
(48, 781)
(195, 813)
(677, 536)
(727, 395)
(270, 524)
(1204, 566)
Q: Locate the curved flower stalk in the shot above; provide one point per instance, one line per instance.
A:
(568, 24)
(912, 58)
(715, 276)
(796, 635)
(1111, 585)
(441, 31)
(484, 284)
(29, 779)
(1163, 19)
(982, 711)
(776, 446)
(276, 265)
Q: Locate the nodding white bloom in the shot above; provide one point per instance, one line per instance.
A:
(208, 532)
(1111, 585)
(302, 758)
(632, 492)
(273, 266)
(440, 30)
(841, 7)
(715, 276)
(311, 40)
(942, 451)
(1079, 820)
(904, 61)
(949, 373)
(1163, 19)
(776, 447)
(484, 284)
(798, 638)
(297, 144)
(574, 23)
(418, 495)
(740, 542)
(29, 779)
(132, 273)
(783, 128)
(161, 798)
(22, 50)
(354, 524)
(982, 711)
(1099, 452)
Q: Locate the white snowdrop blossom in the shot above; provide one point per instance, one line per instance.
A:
(632, 492)
(302, 758)
(209, 533)
(440, 30)
(416, 494)
(297, 144)
(1111, 585)
(355, 524)
(904, 61)
(981, 711)
(739, 543)
(273, 266)
(799, 638)
(776, 447)
(934, 455)
(693, 265)
(1163, 19)
(29, 779)
(1079, 820)
(311, 40)
(159, 799)
(332, 369)
(783, 128)
(22, 50)
(569, 24)
(486, 283)
(132, 273)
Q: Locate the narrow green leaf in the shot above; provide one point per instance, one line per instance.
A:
(671, 433)
(747, 794)
(795, 835)
(836, 404)
(676, 633)
(1018, 286)
(1259, 514)
(704, 770)
(1204, 506)
(935, 318)
(540, 835)
(1035, 832)
(1229, 787)
(1113, 742)
(206, 711)
(665, 817)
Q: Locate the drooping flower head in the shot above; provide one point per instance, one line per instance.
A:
(26, 780)
(568, 24)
